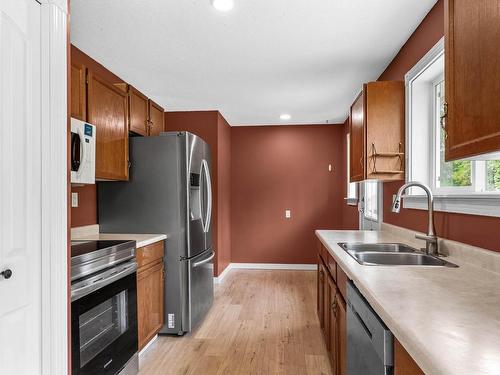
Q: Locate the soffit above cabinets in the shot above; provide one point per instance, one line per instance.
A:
(253, 63)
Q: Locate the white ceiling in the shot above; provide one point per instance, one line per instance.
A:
(263, 58)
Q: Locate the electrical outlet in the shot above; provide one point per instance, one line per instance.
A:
(74, 199)
(288, 214)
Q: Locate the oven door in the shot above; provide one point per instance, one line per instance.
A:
(104, 328)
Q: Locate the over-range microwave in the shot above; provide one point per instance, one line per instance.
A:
(82, 152)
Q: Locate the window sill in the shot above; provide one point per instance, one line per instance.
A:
(478, 204)
(351, 201)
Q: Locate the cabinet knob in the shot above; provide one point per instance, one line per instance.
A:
(7, 274)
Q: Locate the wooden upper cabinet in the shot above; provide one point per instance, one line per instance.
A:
(78, 91)
(107, 110)
(377, 132)
(138, 112)
(156, 119)
(357, 139)
(472, 71)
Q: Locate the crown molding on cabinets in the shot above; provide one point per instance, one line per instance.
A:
(54, 283)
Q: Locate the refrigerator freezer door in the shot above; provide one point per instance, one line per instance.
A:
(201, 287)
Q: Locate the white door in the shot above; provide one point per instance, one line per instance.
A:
(370, 205)
(20, 187)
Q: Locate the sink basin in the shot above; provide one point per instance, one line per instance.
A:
(377, 247)
(391, 254)
(400, 259)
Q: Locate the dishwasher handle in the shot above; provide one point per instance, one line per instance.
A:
(361, 322)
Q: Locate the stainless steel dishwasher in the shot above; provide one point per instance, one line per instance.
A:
(369, 341)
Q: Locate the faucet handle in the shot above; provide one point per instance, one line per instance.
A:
(432, 239)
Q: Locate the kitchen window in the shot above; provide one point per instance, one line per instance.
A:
(352, 187)
(464, 186)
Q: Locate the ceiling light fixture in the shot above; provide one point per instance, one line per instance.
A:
(223, 5)
(285, 116)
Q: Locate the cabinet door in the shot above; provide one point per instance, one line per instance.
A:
(107, 110)
(149, 302)
(138, 107)
(341, 335)
(472, 59)
(320, 295)
(333, 336)
(327, 308)
(156, 119)
(403, 362)
(384, 130)
(357, 160)
(78, 91)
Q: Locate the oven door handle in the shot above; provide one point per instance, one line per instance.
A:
(99, 283)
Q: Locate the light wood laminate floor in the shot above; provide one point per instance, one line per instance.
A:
(262, 322)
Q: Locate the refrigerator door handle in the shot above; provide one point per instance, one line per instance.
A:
(209, 195)
(201, 262)
(200, 192)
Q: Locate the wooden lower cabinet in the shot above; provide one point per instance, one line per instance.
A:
(342, 336)
(403, 362)
(331, 340)
(332, 315)
(150, 291)
(320, 294)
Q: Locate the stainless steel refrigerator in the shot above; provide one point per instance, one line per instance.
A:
(169, 192)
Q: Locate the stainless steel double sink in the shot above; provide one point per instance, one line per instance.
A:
(391, 254)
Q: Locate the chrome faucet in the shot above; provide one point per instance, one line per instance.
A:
(431, 242)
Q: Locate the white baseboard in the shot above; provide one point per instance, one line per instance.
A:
(218, 279)
(274, 266)
(264, 266)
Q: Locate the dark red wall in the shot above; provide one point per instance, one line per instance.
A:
(475, 230)
(86, 212)
(274, 168)
(224, 194)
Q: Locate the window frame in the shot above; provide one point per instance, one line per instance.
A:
(351, 200)
(455, 199)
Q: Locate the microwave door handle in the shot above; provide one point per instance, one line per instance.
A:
(83, 155)
(75, 149)
(209, 195)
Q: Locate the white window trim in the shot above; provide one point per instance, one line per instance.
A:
(486, 204)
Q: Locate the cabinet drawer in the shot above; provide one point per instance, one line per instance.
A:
(332, 266)
(342, 282)
(150, 253)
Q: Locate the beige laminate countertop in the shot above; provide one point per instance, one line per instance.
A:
(141, 239)
(448, 319)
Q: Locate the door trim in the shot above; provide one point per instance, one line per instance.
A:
(55, 312)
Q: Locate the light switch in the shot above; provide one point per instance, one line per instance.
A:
(288, 214)
(74, 199)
